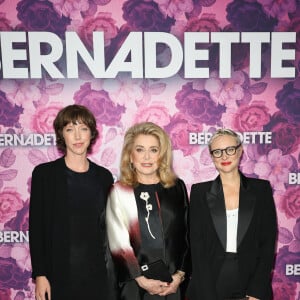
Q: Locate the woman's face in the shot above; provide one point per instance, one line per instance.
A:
(144, 157)
(77, 138)
(226, 163)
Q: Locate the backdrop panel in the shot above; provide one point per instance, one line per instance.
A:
(190, 66)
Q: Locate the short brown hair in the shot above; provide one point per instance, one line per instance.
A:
(165, 171)
(73, 114)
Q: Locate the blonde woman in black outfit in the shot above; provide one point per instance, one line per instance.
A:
(232, 229)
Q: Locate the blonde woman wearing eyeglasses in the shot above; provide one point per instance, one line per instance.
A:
(232, 229)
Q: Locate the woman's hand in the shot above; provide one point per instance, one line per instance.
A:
(152, 286)
(173, 286)
(42, 287)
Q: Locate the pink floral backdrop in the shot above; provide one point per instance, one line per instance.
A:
(178, 104)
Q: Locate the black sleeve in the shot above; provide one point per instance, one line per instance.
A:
(36, 225)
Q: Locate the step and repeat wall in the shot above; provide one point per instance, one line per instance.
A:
(190, 66)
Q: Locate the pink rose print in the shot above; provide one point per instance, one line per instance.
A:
(251, 117)
(278, 9)
(70, 8)
(42, 120)
(156, 113)
(99, 103)
(21, 254)
(175, 8)
(226, 91)
(5, 294)
(178, 129)
(4, 22)
(101, 22)
(283, 289)
(290, 202)
(10, 203)
(275, 167)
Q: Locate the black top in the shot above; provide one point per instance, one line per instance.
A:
(148, 207)
(87, 267)
(49, 227)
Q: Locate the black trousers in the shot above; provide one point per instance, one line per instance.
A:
(228, 285)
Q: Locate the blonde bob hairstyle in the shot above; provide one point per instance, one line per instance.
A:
(165, 172)
(222, 132)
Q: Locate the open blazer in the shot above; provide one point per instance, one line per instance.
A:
(255, 237)
(48, 219)
(124, 233)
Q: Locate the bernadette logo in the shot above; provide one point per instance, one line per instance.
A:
(294, 178)
(14, 236)
(33, 139)
(292, 269)
(251, 137)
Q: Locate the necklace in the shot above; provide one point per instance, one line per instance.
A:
(145, 196)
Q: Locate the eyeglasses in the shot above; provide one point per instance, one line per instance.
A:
(231, 150)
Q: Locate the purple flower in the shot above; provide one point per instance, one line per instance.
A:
(178, 128)
(278, 8)
(290, 202)
(275, 167)
(4, 22)
(251, 117)
(101, 22)
(143, 15)
(21, 221)
(38, 15)
(175, 8)
(283, 288)
(285, 257)
(285, 136)
(100, 104)
(11, 276)
(288, 102)
(249, 16)
(198, 105)
(9, 114)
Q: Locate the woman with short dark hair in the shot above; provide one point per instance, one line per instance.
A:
(67, 216)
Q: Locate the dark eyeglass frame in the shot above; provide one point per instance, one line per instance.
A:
(213, 152)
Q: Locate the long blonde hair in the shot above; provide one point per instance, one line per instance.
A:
(165, 171)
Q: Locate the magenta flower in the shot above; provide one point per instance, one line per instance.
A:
(10, 203)
(290, 202)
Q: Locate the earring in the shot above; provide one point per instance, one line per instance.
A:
(131, 166)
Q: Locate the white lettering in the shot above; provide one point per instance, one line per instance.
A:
(294, 178)
(278, 54)
(36, 39)
(292, 269)
(14, 236)
(138, 56)
(34, 139)
(151, 69)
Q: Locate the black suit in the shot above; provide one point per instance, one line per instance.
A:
(49, 219)
(256, 237)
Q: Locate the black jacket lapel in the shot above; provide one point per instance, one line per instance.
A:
(216, 204)
(246, 207)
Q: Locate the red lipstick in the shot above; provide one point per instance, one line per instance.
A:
(226, 163)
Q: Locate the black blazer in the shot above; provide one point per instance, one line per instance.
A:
(255, 237)
(48, 216)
